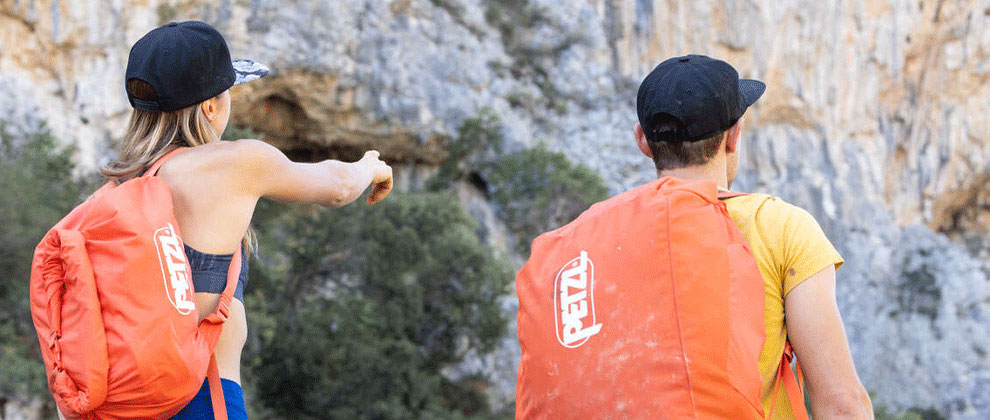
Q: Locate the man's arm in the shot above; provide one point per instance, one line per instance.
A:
(815, 330)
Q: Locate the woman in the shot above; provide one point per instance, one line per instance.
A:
(177, 80)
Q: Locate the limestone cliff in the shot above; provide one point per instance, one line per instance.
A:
(875, 120)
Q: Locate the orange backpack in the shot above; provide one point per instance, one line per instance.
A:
(648, 306)
(113, 305)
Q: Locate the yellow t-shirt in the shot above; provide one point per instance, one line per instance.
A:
(789, 246)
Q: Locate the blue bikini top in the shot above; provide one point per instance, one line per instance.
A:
(209, 272)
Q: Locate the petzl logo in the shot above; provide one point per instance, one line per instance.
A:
(574, 302)
(174, 273)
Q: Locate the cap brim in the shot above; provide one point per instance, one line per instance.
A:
(248, 70)
(751, 90)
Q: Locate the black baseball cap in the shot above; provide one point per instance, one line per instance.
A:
(703, 94)
(185, 63)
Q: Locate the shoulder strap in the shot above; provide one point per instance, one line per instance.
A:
(793, 385)
(725, 195)
(216, 390)
(161, 161)
(219, 316)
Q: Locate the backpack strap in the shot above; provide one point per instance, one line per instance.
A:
(216, 390)
(222, 311)
(219, 316)
(161, 161)
(793, 386)
(725, 195)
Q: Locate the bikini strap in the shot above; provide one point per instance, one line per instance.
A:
(161, 161)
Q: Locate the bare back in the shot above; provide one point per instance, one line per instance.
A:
(213, 216)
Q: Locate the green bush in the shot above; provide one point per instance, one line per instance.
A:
(38, 189)
(364, 307)
(237, 132)
(479, 141)
(919, 291)
(882, 412)
(537, 190)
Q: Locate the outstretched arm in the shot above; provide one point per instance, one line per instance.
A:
(815, 330)
(266, 172)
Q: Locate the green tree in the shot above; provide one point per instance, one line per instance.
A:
(238, 132)
(537, 190)
(364, 308)
(38, 188)
(479, 142)
(881, 412)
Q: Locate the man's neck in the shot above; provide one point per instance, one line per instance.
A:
(714, 171)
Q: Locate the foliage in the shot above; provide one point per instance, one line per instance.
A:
(364, 307)
(479, 140)
(919, 291)
(881, 412)
(38, 189)
(237, 132)
(537, 190)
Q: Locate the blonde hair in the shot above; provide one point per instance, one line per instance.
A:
(151, 135)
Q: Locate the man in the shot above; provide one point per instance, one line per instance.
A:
(690, 115)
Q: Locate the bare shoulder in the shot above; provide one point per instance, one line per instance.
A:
(238, 156)
(237, 151)
(242, 168)
(250, 149)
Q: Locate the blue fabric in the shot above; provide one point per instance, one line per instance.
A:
(201, 406)
(209, 272)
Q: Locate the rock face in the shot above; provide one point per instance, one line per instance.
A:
(875, 120)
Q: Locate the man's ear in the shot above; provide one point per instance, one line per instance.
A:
(641, 141)
(210, 108)
(732, 136)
